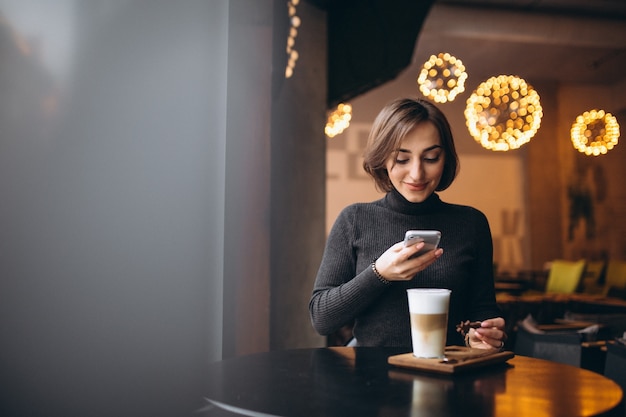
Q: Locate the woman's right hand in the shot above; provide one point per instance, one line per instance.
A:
(397, 264)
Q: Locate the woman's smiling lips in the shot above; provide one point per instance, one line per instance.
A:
(415, 187)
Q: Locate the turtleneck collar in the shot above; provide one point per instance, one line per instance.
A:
(397, 202)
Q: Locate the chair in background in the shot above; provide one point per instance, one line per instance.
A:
(557, 347)
(565, 276)
(593, 277)
(571, 347)
(615, 278)
(615, 366)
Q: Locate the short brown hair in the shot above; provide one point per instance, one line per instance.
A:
(390, 127)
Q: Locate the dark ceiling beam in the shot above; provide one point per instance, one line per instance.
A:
(369, 43)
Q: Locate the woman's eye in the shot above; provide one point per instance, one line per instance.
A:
(401, 161)
(431, 159)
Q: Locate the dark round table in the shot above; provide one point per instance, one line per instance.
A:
(345, 381)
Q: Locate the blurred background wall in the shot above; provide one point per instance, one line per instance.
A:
(148, 206)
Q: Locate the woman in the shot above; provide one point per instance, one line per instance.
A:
(366, 268)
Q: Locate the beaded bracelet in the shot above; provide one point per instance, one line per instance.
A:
(380, 277)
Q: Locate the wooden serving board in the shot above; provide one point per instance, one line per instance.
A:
(457, 359)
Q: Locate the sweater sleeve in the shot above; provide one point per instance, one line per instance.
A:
(341, 292)
(483, 300)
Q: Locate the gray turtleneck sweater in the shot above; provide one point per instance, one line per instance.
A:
(347, 291)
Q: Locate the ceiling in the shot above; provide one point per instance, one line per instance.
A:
(561, 41)
(577, 41)
(581, 8)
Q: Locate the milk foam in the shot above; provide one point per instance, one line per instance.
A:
(428, 300)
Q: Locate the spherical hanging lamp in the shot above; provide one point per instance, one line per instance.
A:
(338, 120)
(442, 77)
(595, 132)
(503, 113)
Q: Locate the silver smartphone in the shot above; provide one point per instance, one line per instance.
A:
(430, 238)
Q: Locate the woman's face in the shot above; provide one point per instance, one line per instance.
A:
(415, 169)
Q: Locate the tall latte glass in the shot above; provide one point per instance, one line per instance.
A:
(428, 308)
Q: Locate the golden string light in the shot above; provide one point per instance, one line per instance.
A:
(338, 120)
(595, 132)
(442, 77)
(503, 113)
(292, 54)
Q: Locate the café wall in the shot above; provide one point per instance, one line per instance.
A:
(524, 193)
(162, 198)
(601, 233)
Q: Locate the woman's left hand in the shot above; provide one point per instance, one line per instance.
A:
(490, 334)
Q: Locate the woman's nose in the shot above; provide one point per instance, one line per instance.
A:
(416, 171)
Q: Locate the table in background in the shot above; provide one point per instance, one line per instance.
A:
(545, 308)
(344, 381)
